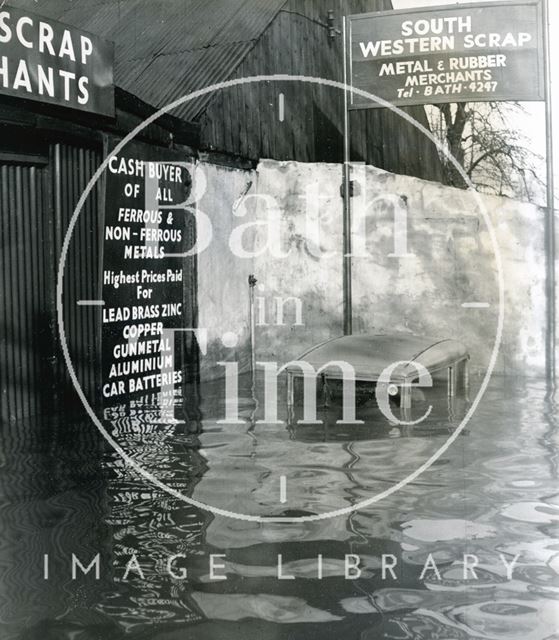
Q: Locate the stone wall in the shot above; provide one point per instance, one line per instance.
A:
(449, 262)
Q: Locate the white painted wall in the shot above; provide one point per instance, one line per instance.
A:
(453, 263)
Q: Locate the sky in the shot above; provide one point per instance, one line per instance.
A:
(531, 125)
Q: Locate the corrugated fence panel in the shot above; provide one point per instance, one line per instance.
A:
(26, 343)
(73, 168)
(36, 204)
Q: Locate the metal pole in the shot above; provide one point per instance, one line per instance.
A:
(347, 295)
(550, 218)
(251, 284)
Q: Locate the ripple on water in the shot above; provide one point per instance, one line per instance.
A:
(530, 619)
(490, 493)
(443, 530)
(536, 512)
(418, 625)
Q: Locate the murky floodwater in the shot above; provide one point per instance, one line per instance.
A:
(491, 501)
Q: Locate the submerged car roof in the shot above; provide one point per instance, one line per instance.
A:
(370, 355)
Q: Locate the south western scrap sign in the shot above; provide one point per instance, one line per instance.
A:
(47, 61)
(466, 53)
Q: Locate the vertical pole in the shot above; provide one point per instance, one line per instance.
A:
(550, 218)
(101, 211)
(347, 295)
(251, 284)
(290, 397)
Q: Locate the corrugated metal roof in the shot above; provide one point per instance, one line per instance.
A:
(165, 49)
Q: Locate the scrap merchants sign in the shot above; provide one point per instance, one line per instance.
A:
(472, 52)
(44, 60)
(144, 242)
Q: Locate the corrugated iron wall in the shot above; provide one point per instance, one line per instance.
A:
(72, 169)
(26, 342)
(36, 203)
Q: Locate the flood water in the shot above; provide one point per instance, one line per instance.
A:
(491, 497)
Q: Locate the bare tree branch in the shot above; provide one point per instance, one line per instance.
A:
(495, 157)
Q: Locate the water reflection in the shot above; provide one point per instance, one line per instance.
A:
(470, 549)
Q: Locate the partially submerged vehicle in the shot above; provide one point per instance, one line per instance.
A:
(397, 359)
